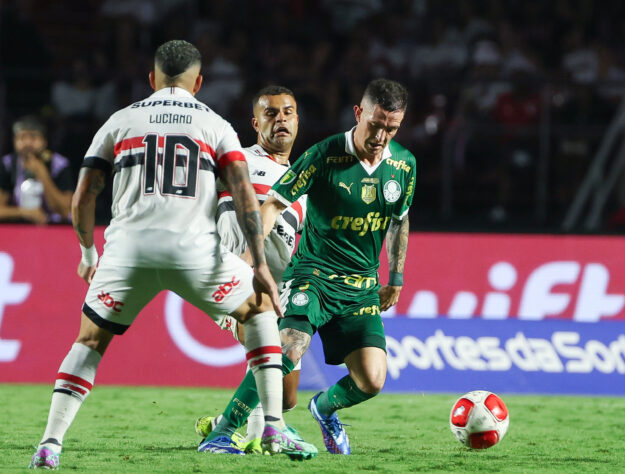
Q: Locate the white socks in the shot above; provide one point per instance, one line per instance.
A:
(73, 383)
(264, 357)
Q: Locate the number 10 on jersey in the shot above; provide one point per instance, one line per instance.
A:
(180, 165)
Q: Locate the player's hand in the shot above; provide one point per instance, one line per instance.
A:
(33, 164)
(264, 283)
(389, 295)
(85, 272)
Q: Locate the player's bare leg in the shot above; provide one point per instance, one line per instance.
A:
(73, 384)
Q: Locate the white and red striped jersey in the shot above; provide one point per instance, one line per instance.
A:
(165, 152)
(280, 243)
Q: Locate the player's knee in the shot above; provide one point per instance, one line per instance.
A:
(94, 342)
(373, 386)
(292, 353)
(373, 382)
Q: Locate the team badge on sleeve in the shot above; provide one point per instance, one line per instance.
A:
(288, 177)
(300, 299)
(392, 191)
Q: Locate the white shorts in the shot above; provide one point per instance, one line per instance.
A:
(117, 294)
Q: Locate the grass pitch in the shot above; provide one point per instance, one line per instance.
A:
(148, 429)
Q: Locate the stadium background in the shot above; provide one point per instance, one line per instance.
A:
(512, 105)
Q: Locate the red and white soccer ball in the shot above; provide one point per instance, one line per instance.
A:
(479, 419)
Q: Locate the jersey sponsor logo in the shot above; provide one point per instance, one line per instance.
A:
(370, 180)
(108, 301)
(302, 180)
(258, 173)
(368, 193)
(398, 165)
(357, 281)
(300, 299)
(410, 188)
(168, 103)
(288, 177)
(345, 186)
(373, 310)
(372, 222)
(340, 159)
(392, 191)
(225, 289)
(284, 234)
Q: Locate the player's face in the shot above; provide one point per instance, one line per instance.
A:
(29, 141)
(375, 128)
(276, 121)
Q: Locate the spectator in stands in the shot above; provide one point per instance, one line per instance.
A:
(35, 183)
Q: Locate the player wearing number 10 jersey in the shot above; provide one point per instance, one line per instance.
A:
(164, 153)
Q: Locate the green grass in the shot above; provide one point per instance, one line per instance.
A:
(122, 429)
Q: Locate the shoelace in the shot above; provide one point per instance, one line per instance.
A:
(334, 425)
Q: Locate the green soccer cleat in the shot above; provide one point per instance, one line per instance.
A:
(206, 424)
(45, 458)
(254, 447)
(287, 441)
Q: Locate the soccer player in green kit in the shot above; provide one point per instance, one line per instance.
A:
(360, 186)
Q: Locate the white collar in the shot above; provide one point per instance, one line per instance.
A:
(259, 150)
(173, 91)
(351, 149)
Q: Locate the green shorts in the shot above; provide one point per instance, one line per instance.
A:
(347, 317)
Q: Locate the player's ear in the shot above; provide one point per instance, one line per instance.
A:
(198, 83)
(357, 112)
(151, 78)
(255, 124)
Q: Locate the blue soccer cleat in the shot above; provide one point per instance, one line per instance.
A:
(220, 445)
(334, 436)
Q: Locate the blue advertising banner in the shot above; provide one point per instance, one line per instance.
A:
(507, 356)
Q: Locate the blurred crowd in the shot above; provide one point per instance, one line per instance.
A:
(509, 99)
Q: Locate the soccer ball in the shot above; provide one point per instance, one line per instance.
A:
(479, 419)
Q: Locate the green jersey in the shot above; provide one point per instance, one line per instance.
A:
(350, 204)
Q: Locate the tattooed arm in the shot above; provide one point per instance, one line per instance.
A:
(91, 182)
(236, 177)
(396, 246)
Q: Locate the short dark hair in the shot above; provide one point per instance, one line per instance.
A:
(272, 90)
(176, 56)
(31, 123)
(390, 95)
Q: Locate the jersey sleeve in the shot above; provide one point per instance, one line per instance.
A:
(101, 152)
(299, 178)
(405, 202)
(229, 148)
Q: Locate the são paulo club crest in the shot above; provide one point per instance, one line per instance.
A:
(300, 299)
(392, 191)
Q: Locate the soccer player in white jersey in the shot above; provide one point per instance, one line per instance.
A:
(165, 152)
(276, 122)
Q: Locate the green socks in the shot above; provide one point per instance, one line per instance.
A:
(342, 394)
(244, 401)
